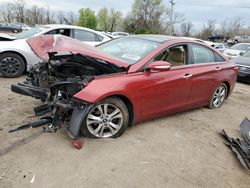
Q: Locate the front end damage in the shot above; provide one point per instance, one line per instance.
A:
(56, 82)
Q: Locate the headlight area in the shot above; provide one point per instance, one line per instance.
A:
(61, 109)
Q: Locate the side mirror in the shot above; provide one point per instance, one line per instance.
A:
(159, 66)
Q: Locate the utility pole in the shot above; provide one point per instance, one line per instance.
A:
(171, 16)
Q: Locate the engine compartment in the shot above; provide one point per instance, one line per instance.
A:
(57, 81)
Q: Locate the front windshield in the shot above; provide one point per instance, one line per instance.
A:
(247, 54)
(129, 49)
(31, 32)
(242, 47)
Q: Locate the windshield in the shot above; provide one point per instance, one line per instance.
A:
(31, 32)
(243, 47)
(129, 49)
(247, 54)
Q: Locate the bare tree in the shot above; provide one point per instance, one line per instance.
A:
(176, 19)
(70, 18)
(208, 29)
(19, 8)
(7, 12)
(186, 28)
(231, 27)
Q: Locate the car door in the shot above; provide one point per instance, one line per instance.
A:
(167, 91)
(88, 37)
(205, 69)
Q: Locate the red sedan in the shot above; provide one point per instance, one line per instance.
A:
(102, 91)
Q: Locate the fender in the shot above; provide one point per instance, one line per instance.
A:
(120, 84)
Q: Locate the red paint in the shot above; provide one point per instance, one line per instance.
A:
(77, 144)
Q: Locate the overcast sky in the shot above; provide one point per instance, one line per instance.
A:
(197, 11)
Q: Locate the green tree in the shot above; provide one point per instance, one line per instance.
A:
(145, 17)
(87, 18)
(109, 20)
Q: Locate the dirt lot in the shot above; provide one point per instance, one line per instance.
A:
(175, 151)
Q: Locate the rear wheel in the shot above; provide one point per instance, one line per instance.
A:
(218, 96)
(11, 65)
(107, 119)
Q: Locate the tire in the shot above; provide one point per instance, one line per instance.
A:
(219, 95)
(15, 31)
(236, 42)
(102, 121)
(11, 65)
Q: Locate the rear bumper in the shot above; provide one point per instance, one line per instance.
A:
(28, 90)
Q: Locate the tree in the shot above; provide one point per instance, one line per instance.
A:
(208, 29)
(145, 17)
(19, 8)
(186, 28)
(109, 20)
(7, 12)
(87, 18)
(103, 19)
(176, 19)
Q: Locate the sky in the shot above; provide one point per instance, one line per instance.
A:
(197, 11)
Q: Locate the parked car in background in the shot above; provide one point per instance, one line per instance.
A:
(23, 26)
(218, 38)
(236, 50)
(243, 63)
(8, 27)
(102, 91)
(16, 57)
(242, 38)
(221, 47)
(120, 34)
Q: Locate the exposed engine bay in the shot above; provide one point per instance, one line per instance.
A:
(56, 82)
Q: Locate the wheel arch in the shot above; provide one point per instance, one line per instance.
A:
(19, 54)
(228, 87)
(128, 104)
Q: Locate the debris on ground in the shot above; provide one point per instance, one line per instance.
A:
(3, 173)
(241, 148)
(77, 143)
(33, 179)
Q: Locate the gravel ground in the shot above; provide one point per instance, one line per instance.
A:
(182, 150)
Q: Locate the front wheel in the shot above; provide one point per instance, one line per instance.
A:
(11, 65)
(107, 119)
(218, 97)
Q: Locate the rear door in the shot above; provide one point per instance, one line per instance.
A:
(206, 66)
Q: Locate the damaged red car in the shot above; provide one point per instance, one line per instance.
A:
(100, 91)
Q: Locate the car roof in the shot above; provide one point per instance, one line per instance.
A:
(67, 26)
(155, 38)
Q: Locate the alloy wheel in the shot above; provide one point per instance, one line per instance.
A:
(104, 120)
(219, 96)
(10, 65)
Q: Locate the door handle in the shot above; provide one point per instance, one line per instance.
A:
(218, 68)
(186, 76)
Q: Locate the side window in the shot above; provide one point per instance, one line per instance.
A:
(202, 55)
(176, 55)
(65, 32)
(84, 35)
(52, 32)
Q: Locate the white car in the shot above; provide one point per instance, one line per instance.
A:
(16, 56)
(237, 50)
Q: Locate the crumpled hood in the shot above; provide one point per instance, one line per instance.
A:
(42, 45)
